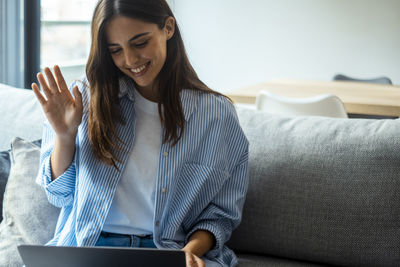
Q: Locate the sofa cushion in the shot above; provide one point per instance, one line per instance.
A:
(322, 189)
(254, 260)
(26, 118)
(28, 217)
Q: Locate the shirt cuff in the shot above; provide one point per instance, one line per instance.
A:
(215, 228)
(64, 185)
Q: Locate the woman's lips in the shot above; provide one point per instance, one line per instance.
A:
(139, 71)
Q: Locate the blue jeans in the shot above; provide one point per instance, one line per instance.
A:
(120, 240)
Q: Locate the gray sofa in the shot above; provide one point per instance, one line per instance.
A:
(322, 191)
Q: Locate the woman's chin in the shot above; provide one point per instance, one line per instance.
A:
(139, 81)
(143, 85)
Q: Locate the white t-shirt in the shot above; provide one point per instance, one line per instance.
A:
(132, 209)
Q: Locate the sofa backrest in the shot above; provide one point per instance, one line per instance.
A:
(21, 115)
(322, 189)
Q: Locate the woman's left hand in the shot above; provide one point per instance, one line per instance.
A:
(192, 260)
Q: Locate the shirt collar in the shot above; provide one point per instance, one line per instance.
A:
(189, 98)
(126, 87)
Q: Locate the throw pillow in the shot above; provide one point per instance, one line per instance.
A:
(28, 216)
(4, 171)
(5, 165)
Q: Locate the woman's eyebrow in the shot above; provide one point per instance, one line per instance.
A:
(133, 38)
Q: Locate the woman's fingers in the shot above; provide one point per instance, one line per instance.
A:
(200, 262)
(78, 96)
(62, 85)
(39, 96)
(193, 261)
(43, 84)
(190, 262)
(52, 82)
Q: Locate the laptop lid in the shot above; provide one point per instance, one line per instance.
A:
(51, 256)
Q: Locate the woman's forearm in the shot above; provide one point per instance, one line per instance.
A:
(200, 242)
(62, 156)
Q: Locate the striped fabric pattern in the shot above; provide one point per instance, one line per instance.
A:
(202, 180)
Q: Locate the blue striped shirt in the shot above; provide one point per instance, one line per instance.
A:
(201, 183)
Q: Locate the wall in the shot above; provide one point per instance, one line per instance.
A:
(235, 43)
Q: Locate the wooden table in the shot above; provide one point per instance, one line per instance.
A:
(358, 98)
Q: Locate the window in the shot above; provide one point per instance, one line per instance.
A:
(65, 36)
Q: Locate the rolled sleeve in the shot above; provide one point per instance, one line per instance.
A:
(60, 192)
(216, 228)
(224, 213)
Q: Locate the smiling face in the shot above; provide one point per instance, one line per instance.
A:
(139, 49)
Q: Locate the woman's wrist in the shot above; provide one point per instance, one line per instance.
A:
(200, 242)
(67, 138)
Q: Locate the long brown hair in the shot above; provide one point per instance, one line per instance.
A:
(103, 76)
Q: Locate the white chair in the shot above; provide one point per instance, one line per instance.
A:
(326, 105)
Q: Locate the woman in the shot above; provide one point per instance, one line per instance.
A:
(142, 153)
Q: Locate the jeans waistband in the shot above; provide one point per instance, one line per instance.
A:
(107, 234)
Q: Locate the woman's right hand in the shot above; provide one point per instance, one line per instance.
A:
(63, 111)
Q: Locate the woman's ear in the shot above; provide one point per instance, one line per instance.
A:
(169, 27)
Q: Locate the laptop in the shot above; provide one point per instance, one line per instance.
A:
(51, 256)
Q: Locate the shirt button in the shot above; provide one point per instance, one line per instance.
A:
(165, 153)
(158, 223)
(163, 190)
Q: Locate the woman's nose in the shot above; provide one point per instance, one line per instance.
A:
(131, 57)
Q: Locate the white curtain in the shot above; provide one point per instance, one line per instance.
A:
(11, 42)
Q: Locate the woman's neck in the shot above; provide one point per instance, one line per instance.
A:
(149, 92)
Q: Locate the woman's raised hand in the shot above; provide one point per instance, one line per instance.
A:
(63, 111)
